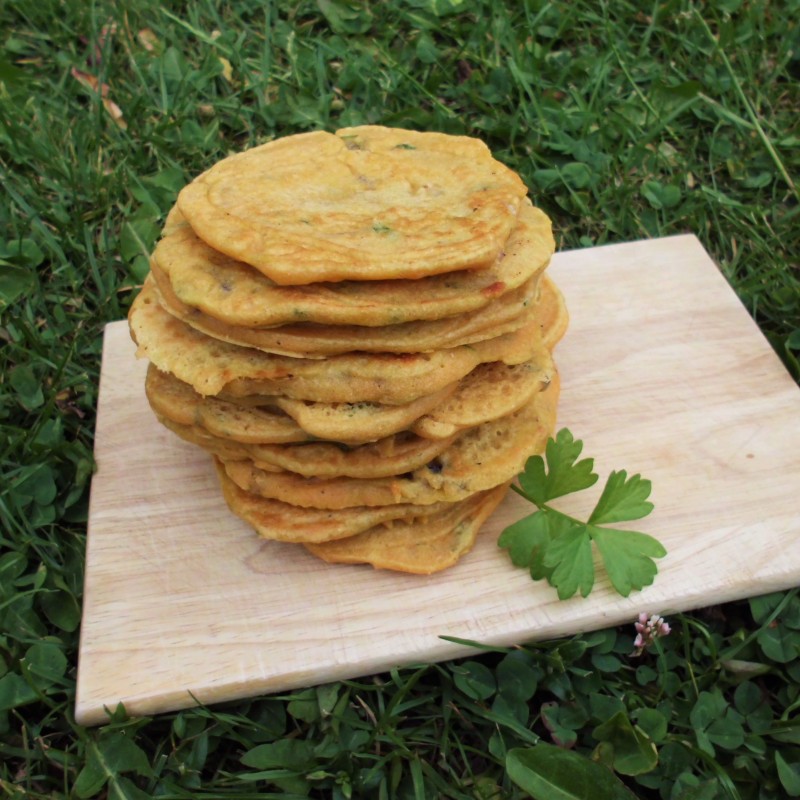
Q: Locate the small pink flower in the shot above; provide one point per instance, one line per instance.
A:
(648, 629)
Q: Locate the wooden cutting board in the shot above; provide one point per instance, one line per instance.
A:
(663, 373)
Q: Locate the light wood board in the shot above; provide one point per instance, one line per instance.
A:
(663, 373)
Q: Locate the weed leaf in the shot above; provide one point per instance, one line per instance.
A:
(547, 772)
(475, 680)
(789, 775)
(14, 282)
(107, 758)
(346, 17)
(634, 753)
(291, 754)
(15, 692)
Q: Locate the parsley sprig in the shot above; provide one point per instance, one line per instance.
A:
(557, 547)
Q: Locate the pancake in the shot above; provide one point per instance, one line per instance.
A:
(357, 326)
(281, 420)
(421, 546)
(552, 315)
(222, 448)
(358, 423)
(482, 458)
(215, 446)
(205, 280)
(178, 402)
(393, 455)
(489, 392)
(307, 340)
(273, 519)
(171, 398)
(366, 203)
(494, 389)
(211, 366)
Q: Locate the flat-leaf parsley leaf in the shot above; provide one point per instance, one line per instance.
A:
(558, 548)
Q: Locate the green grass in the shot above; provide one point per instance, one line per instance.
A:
(626, 120)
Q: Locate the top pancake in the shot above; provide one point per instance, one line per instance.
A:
(366, 203)
(235, 293)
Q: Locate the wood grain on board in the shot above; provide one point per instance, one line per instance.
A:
(663, 373)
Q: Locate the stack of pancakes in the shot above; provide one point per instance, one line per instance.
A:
(359, 328)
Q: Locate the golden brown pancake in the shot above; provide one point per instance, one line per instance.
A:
(357, 326)
(394, 455)
(273, 519)
(552, 315)
(201, 278)
(178, 402)
(366, 203)
(307, 340)
(489, 392)
(212, 367)
(281, 420)
(480, 459)
(217, 447)
(420, 546)
(359, 423)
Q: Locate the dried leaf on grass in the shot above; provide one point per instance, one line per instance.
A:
(148, 39)
(93, 85)
(227, 69)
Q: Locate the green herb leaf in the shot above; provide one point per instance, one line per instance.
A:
(524, 537)
(564, 473)
(558, 548)
(538, 569)
(628, 557)
(569, 556)
(623, 499)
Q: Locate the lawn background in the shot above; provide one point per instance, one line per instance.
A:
(626, 120)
